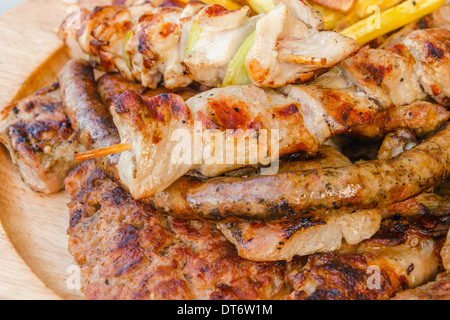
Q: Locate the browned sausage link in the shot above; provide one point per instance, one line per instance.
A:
(289, 196)
(90, 119)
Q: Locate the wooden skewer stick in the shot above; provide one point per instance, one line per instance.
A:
(293, 58)
(93, 154)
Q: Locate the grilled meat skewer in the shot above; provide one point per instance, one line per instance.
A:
(153, 121)
(305, 115)
(186, 197)
(150, 44)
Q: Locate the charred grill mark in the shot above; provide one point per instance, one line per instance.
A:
(167, 29)
(424, 23)
(390, 235)
(434, 51)
(162, 108)
(75, 217)
(215, 11)
(345, 277)
(300, 224)
(376, 72)
(127, 236)
(287, 111)
(228, 114)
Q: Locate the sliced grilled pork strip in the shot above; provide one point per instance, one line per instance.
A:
(90, 119)
(289, 196)
(403, 254)
(40, 140)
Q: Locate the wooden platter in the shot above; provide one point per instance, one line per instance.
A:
(35, 263)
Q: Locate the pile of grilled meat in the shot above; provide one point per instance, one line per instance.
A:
(327, 225)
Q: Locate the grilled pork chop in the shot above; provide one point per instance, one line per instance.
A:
(40, 140)
(127, 250)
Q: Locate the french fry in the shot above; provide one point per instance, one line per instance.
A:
(331, 18)
(363, 9)
(391, 19)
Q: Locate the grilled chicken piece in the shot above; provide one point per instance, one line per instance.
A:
(422, 118)
(165, 125)
(405, 72)
(403, 254)
(40, 140)
(292, 30)
(387, 76)
(434, 290)
(289, 196)
(127, 250)
(282, 241)
(154, 49)
(111, 86)
(222, 33)
(431, 50)
(177, 46)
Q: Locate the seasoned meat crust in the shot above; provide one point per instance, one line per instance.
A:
(40, 139)
(127, 250)
(435, 290)
(403, 254)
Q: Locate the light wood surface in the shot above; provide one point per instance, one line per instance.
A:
(34, 260)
